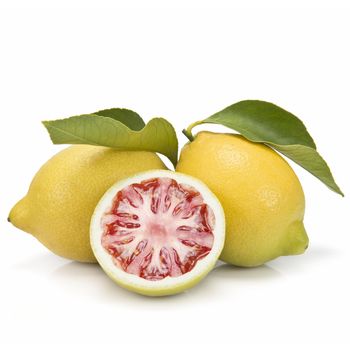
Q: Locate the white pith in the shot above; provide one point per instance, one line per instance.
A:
(202, 266)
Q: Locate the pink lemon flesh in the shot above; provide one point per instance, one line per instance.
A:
(158, 232)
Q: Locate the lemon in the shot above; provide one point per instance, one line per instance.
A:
(162, 232)
(261, 195)
(63, 195)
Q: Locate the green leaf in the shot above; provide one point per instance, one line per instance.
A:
(157, 136)
(125, 116)
(264, 122)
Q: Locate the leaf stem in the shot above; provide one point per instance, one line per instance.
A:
(188, 132)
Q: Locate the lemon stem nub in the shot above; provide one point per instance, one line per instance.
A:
(188, 132)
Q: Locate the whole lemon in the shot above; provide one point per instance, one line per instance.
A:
(262, 197)
(64, 193)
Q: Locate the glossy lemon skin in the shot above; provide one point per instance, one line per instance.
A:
(261, 195)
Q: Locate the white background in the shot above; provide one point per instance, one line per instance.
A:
(183, 63)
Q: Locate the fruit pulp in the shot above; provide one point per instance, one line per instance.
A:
(158, 228)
